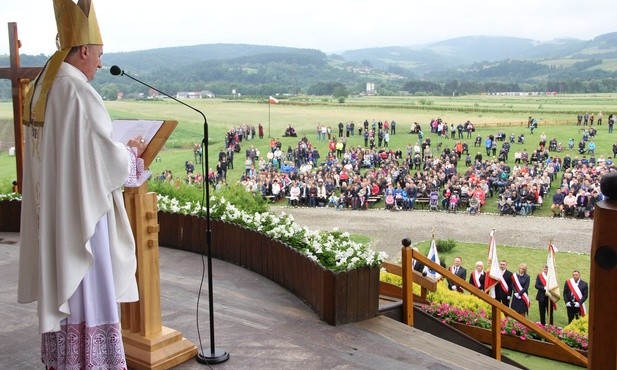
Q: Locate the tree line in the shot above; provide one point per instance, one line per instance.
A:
(311, 72)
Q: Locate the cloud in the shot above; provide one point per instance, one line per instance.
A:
(325, 25)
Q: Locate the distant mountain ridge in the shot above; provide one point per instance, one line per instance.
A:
(489, 63)
(472, 49)
(447, 53)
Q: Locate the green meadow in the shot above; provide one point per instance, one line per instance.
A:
(490, 114)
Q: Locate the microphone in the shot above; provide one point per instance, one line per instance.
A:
(115, 70)
(215, 356)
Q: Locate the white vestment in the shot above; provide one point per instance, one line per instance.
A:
(73, 177)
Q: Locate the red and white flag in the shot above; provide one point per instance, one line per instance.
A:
(552, 284)
(494, 274)
(273, 100)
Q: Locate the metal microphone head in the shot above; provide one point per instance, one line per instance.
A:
(116, 71)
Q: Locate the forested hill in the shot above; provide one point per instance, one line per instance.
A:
(462, 65)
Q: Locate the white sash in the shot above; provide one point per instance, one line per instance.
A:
(576, 292)
(476, 278)
(518, 287)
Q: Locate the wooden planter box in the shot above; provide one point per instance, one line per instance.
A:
(530, 346)
(10, 215)
(338, 298)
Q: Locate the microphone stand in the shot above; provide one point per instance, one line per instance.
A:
(215, 356)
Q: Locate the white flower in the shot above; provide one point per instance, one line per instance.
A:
(313, 243)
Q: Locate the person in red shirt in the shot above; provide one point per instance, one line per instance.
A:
(480, 194)
(332, 145)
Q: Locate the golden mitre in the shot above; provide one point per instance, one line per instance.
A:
(77, 25)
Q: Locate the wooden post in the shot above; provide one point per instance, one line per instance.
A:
(602, 307)
(496, 333)
(20, 77)
(147, 343)
(407, 286)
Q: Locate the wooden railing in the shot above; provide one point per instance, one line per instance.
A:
(395, 291)
(409, 276)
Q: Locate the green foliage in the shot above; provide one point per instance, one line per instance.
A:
(579, 325)
(340, 92)
(334, 250)
(247, 201)
(444, 246)
(443, 295)
(397, 280)
(183, 193)
(6, 186)
(234, 194)
(390, 278)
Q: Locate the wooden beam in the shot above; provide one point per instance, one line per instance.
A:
(20, 77)
(496, 333)
(407, 287)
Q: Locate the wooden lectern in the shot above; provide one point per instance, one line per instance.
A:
(147, 343)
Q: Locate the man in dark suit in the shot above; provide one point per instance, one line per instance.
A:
(459, 271)
(417, 265)
(542, 297)
(503, 289)
(575, 293)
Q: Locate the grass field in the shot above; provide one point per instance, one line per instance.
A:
(490, 114)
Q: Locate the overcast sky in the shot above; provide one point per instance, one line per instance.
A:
(330, 26)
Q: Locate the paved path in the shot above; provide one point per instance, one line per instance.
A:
(388, 228)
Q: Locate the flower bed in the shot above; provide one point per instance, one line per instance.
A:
(477, 324)
(332, 250)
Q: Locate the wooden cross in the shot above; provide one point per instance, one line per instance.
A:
(20, 77)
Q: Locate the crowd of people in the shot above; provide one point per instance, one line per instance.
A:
(513, 289)
(356, 177)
